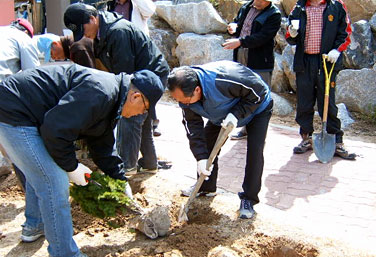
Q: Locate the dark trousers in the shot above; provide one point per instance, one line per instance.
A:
(311, 88)
(256, 129)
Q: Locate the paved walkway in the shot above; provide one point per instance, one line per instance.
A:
(337, 199)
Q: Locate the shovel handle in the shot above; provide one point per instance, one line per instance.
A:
(327, 88)
(221, 139)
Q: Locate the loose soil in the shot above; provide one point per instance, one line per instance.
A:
(212, 230)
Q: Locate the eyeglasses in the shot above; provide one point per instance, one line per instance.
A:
(143, 100)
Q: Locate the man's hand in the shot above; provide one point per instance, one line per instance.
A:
(333, 55)
(201, 167)
(78, 175)
(231, 43)
(230, 118)
(293, 31)
(231, 28)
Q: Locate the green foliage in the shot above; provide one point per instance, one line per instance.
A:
(101, 201)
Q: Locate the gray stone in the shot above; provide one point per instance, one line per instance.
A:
(199, 49)
(281, 107)
(372, 23)
(186, 1)
(357, 89)
(165, 39)
(280, 82)
(280, 38)
(361, 51)
(5, 166)
(287, 64)
(200, 18)
(343, 116)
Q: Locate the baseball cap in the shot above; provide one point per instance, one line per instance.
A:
(44, 44)
(150, 86)
(76, 15)
(27, 25)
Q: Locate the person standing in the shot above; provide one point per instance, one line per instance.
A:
(320, 27)
(122, 47)
(224, 92)
(69, 102)
(17, 53)
(254, 29)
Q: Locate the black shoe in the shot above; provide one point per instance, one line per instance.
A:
(240, 135)
(341, 152)
(305, 145)
(156, 131)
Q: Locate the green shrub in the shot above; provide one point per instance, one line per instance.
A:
(101, 201)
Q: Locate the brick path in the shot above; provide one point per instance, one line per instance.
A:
(337, 199)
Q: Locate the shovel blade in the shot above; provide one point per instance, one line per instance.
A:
(324, 146)
(182, 216)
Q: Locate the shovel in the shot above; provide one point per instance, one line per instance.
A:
(324, 144)
(222, 136)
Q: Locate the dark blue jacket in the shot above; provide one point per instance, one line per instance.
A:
(67, 103)
(227, 87)
(260, 43)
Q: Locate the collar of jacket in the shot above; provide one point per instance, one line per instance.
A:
(106, 21)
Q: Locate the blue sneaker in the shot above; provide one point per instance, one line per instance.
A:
(246, 210)
(30, 235)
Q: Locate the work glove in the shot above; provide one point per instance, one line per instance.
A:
(333, 55)
(293, 31)
(128, 191)
(201, 167)
(230, 118)
(78, 175)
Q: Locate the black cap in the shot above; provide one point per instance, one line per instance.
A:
(150, 86)
(76, 15)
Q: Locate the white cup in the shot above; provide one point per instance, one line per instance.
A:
(233, 26)
(295, 24)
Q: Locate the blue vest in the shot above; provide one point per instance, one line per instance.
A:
(214, 105)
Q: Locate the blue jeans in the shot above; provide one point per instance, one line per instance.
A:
(47, 188)
(134, 134)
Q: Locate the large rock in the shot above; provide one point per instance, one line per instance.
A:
(372, 23)
(199, 49)
(361, 51)
(280, 82)
(287, 64)
(357, 89)
(358, 9)
(343, 116)
(281, 107)
(165, 39)
(200, 18)
(228, 9)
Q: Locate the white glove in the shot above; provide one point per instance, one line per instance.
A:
(333, 55)
(201, 167)
(293, 31)
(78, 175)
(230, 118)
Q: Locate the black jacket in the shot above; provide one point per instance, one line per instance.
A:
(66, 103)
(260, 43)
(335, 33)
(122, 47)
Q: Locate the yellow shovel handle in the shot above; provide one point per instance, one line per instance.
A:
(327, 87)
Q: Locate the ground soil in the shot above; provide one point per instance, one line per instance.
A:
(212, 222)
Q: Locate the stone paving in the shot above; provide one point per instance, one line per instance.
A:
(337, 199)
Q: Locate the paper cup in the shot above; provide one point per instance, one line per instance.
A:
(295, 24)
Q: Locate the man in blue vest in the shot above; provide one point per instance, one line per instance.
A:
(224, 92)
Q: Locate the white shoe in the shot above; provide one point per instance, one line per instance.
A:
(188, 191)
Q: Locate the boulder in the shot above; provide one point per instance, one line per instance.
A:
(343, 116)
(358, 9)
(361, 51)
(199, 49)
(372, 23)
(281, 107)
(279, 82)
(356, 89)
(200, 18)
(287, 64)
(165, 39)
(228, 9)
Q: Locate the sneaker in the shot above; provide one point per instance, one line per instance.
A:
(156, 131)
(240, 135)
(341, 152)
(29, 235)
(305, 145)
(140, 169)
(130, 171)
(187, 192)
